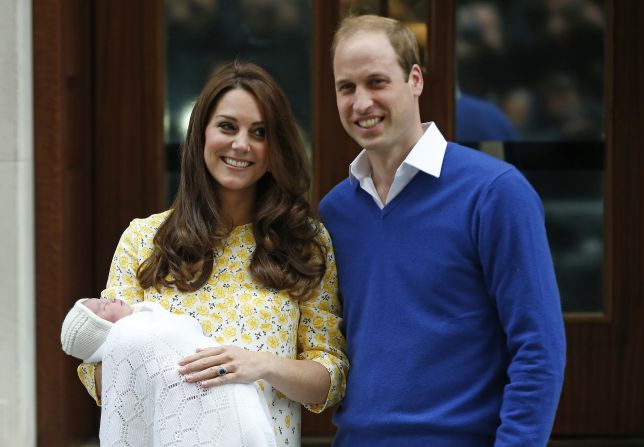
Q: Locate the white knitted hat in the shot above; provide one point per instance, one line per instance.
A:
(83, 331)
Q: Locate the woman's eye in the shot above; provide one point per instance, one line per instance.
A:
(260, 132)
(226, 126)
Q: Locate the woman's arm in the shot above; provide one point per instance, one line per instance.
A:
(319, 335)
(317, 378)
(98, 379)
(303, 381)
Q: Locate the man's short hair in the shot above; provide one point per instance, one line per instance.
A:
(402, 39)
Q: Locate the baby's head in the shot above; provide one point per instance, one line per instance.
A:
(110, 310)
(87, 324)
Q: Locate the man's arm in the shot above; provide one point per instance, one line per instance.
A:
(518, 269)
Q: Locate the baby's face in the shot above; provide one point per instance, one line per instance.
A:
(110, 310)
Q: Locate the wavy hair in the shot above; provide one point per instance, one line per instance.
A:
(289, 254)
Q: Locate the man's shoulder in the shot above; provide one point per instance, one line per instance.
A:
(338, 192)
(470, 162)
(485, 173)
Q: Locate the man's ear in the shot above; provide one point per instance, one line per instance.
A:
(416, 80)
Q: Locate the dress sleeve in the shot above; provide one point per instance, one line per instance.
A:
(121, 283)
(319, 335)
(86, 375)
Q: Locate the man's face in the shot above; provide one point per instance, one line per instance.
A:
(377, 102)
(110, 309)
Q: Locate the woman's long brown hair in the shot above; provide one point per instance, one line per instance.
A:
(289, 254)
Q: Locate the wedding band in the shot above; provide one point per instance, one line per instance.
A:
(222, 371)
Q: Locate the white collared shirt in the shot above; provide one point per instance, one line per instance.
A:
(426, 155)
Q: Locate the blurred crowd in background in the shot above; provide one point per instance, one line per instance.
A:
(203, 34)
(540, 61)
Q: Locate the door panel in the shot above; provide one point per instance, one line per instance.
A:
(604, 392)
(63, 168)
(98, 111)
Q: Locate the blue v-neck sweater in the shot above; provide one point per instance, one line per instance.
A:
(451, 310)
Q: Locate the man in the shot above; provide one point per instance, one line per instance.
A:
(452, 314)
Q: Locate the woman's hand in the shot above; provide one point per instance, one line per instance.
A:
(303, 381)
(225, 364)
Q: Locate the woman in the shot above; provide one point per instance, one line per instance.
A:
(241, 252)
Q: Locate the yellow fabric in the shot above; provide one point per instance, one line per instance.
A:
(233, 309)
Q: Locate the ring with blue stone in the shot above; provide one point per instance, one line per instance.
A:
(222, 371)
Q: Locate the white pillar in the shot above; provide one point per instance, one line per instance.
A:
(17, 279)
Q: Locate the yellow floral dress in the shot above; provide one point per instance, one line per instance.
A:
(233, 309)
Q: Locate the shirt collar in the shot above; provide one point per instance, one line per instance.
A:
(426, 155)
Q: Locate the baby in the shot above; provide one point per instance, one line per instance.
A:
(145, 402)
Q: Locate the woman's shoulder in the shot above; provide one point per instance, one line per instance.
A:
(149, 224)
(140, 232)
(321, 231)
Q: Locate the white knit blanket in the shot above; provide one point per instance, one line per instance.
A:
(146, 402)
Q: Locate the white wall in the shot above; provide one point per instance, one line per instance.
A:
(17, 281)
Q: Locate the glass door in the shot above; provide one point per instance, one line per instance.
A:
(530, 90)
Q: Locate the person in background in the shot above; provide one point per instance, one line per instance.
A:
(241, 251)
(451, 309)
(478, 120)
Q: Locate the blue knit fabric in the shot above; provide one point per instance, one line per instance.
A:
(452, 313)
(478, 120)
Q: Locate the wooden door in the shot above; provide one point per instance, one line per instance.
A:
(604, 390)
(98, 117)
